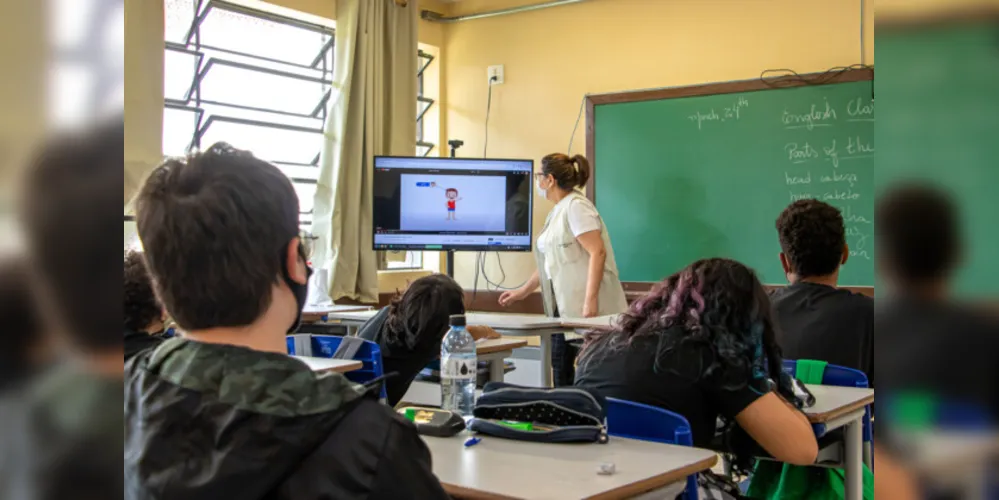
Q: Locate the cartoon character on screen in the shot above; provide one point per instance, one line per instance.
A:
(452, 201)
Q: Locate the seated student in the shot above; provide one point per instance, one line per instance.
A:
(928, 345)
(701, 344)
(816, 319)
(410, 330)
(223, 411)
(143, 313)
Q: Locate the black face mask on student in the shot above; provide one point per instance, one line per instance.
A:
(300, 291)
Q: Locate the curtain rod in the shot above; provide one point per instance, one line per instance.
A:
(436, 17)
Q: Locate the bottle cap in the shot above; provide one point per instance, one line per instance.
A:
(457, 320)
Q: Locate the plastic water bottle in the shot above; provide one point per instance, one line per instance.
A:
(459, 369)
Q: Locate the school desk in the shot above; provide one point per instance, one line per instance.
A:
(508, 325)
(498, 468)
(843, 407)
(313, 314)
(329, 364)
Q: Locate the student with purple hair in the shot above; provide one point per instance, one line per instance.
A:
(702, 344)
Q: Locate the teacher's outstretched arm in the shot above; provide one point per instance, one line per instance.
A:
(593, 243)
(511, 297)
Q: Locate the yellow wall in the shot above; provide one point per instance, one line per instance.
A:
(553, 57)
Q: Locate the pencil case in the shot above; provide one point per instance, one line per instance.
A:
(563, 415)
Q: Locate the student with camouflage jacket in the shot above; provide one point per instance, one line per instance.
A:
(223, 412)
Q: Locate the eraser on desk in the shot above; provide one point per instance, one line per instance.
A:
(607, 469)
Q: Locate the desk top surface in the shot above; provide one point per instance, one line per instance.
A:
(501, 468)
(489, 346)
(833, 402)
(498, 321)
(329, 364)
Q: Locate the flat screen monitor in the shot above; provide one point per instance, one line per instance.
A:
(425, 203)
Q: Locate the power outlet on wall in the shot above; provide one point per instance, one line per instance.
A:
(495, 71)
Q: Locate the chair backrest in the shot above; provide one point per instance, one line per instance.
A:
(369, 354)
(647, 423)
(836, 375)
(632, 420)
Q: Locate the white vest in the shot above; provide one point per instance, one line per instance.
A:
(565, 264)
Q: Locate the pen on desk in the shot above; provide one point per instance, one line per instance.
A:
(472, 442)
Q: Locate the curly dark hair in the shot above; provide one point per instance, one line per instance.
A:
(918, 233)
(419, 317)
(141, 306)
(717, 303)
(812, 237)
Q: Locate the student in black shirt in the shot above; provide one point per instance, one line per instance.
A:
(818, 320)
(928, 346)
(143, 313)
(701, 344)
(410, 330)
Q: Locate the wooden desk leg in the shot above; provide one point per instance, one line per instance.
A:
(546, 360)
(854, 471)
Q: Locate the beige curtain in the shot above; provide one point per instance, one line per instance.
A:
(143, 148)
(373, 114)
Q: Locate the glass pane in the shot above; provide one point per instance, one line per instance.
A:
(262, 90)
(253, 35)
(71, 91)
(268, 143)
(178, 17)
(306, 196)
(178, 130)
(178, 73)
(423, 150)
(260, 116)
(299, 172)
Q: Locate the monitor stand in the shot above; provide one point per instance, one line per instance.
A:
(450, 264)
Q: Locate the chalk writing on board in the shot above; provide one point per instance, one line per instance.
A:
(850, 218)
(840, 195)
(830, 196)
(727, 113)
(800, 153)
(856, 149)
(794, 180)
(817, 116)
(857, 146)
(858, 242)
(846, 177)
(860, 110)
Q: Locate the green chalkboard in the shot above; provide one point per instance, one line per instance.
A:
(688, 173)
(939, 86)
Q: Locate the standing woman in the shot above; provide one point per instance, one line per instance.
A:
(576, 268)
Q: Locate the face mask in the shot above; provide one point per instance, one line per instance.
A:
(300, 291)
(542, 192)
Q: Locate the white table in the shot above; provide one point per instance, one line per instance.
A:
(837, 407)
(329, 364)
(503, 469)
(509, 325)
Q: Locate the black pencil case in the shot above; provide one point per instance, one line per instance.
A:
(563, 415)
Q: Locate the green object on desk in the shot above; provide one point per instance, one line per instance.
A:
(520, 426)
(775, 480)
(410, 414)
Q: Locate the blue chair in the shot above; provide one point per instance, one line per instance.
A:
(648, 423)
(370, 355)
(841, 376)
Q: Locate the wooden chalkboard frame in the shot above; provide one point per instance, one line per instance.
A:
(755, 84)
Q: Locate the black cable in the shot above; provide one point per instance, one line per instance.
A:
(789, 77)
(489, 105)
(572, 138)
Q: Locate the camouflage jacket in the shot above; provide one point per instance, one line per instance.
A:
(205, 421)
